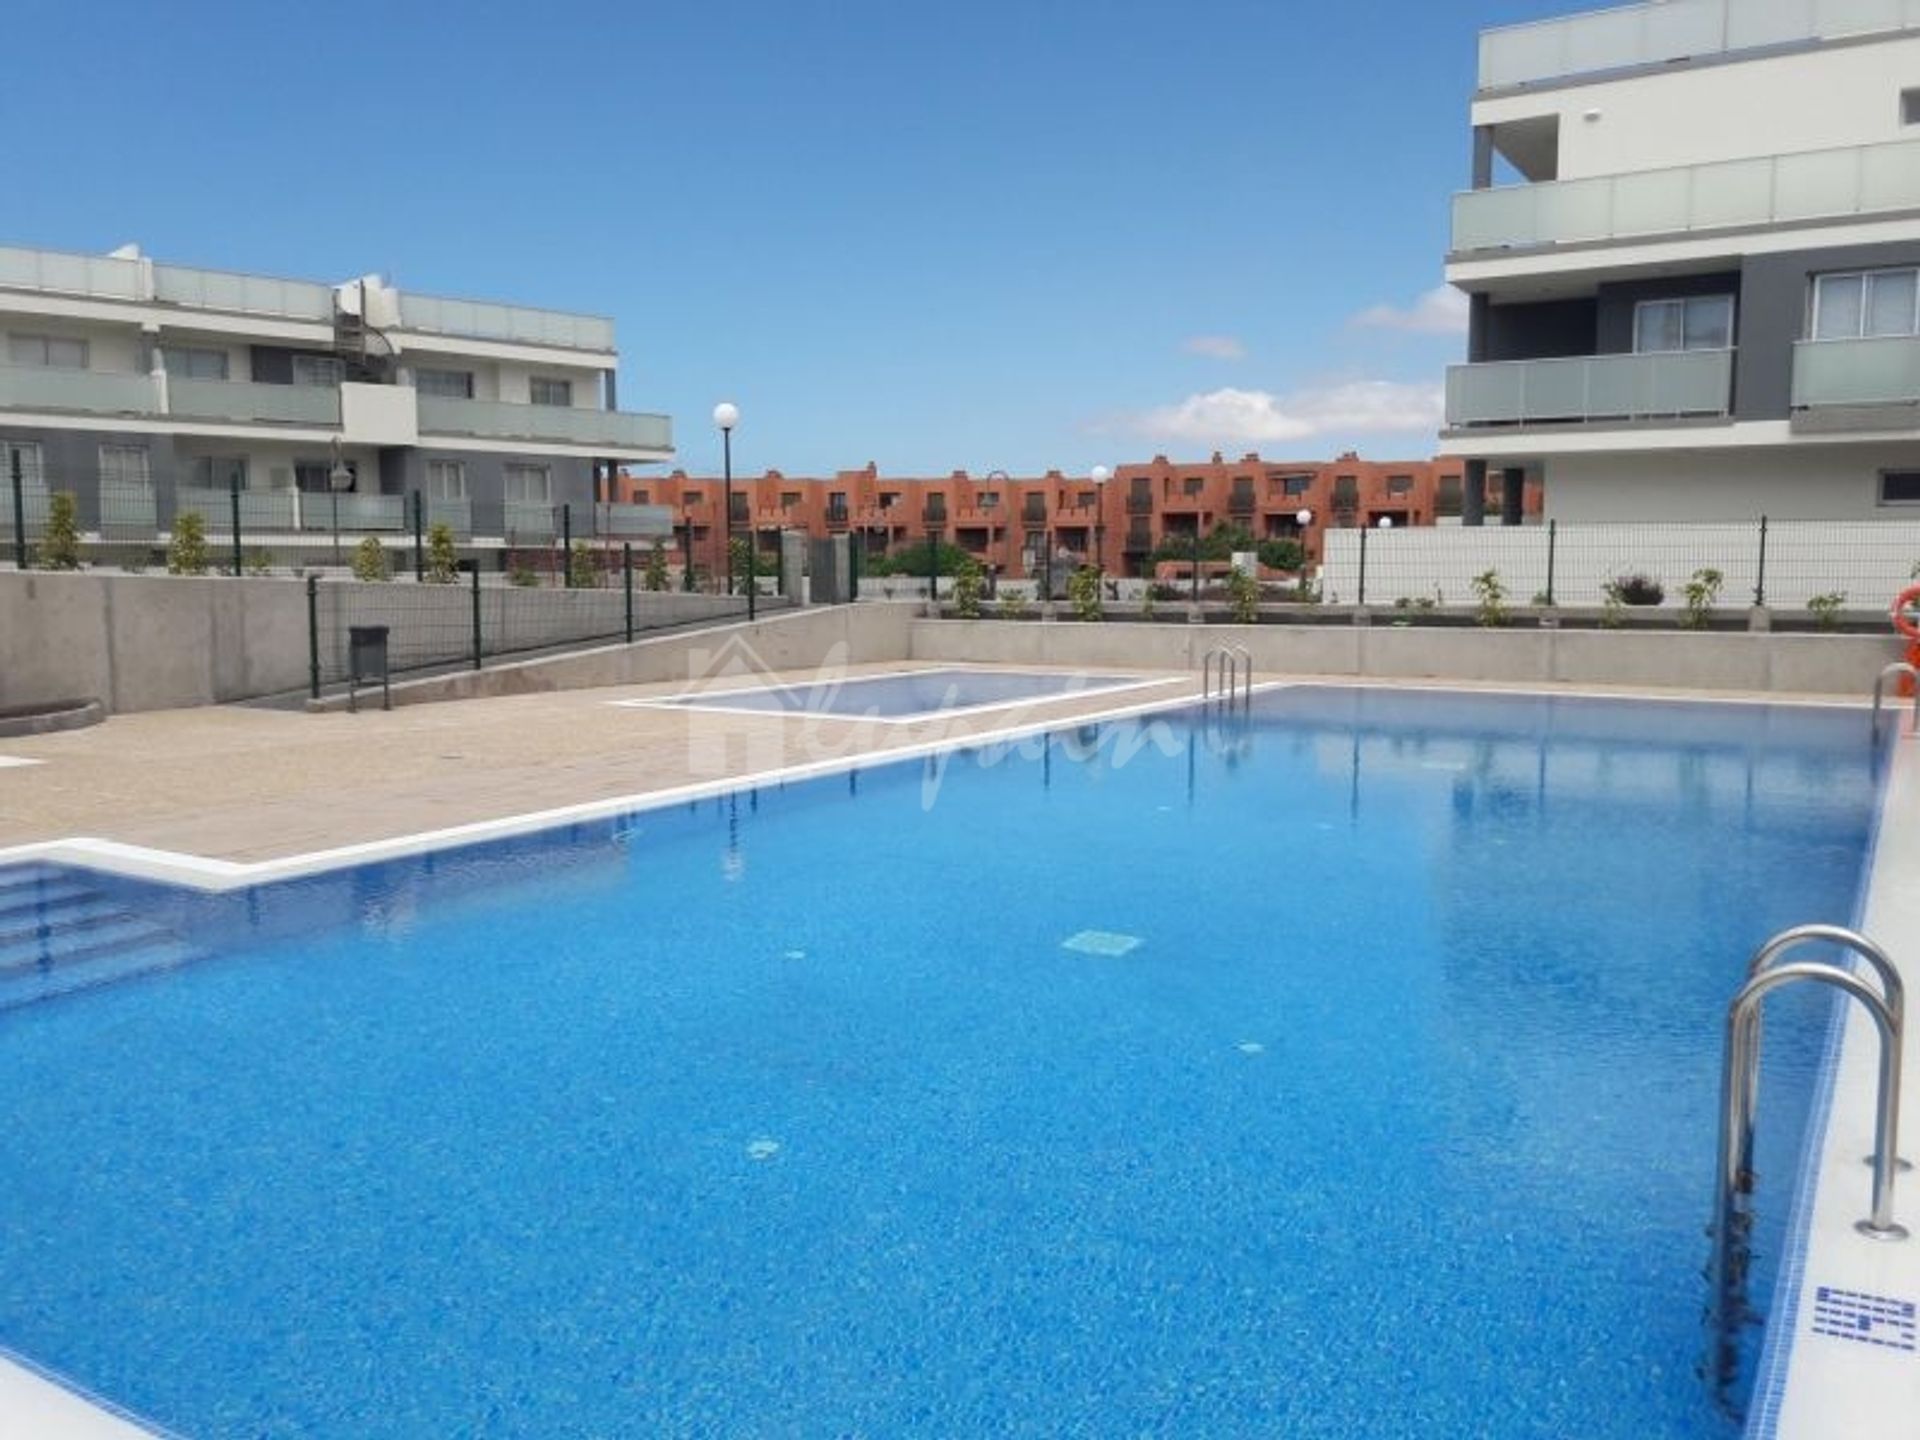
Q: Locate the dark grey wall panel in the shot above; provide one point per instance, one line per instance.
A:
(1774, 291)
(1614, 327)
(1539, 331)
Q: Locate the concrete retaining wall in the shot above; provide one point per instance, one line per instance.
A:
(796, 640)
(1794, 664)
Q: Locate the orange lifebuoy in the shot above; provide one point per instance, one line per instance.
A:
(1913, 659)
(1903, 620)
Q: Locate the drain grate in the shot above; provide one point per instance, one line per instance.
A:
(1869, 1319)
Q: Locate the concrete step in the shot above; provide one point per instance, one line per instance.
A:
(56, 945)
(106, 966)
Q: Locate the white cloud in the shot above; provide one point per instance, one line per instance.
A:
(1255, 417)
(1215, 347)
(1439, 311)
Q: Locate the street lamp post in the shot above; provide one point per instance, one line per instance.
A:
(1100, 473)
(727, 415)
(1303, 518)
(339, 478)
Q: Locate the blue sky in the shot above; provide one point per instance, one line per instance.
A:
(1024, 236)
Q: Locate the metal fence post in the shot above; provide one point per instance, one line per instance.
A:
(476, 615)
(753, 581)
(626, 566)
(19, 513)
(313, 636)
(1760, 575)
(1553, 541)
(233, 487)
(419, 538)
(1361, 598)
(1195, 587)
(566, 542)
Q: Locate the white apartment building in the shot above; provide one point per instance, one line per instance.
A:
(1692, 250)
(144, 388)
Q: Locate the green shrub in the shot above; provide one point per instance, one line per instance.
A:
(1013, 605)
(1637, 589)
(1083, 593)
(654, 578)
(259, 563)
(522, 574)
(1701, 591)
(187, 550)
(1613, 609)
(370, 561)
(969, 584)
(1146, 603)
(1492, 595)
(583, 566)
(1221, 543)
(1243, 595)
(1283, 555)
(60, 546)
(443, 565)
(1826, 608)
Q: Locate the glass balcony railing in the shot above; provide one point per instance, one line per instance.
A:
(456, 515)
(99, 277)
(260, 510)
(314, 510)
(245, 401)
(1658, 34)
(1680, 384)
(493, 419)
(528, 520)
(1884, 370)
(92, 392)
(243, 294)
(640, 522)
(479, 320)
(1771, 190)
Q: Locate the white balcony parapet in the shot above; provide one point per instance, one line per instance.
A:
(100, 277)
(91, 392)
(1682, 384)
(1728, 194)
(243, 294)
(498, 420)
(250, 401)
(1883, 370)
(272, 511)
(1630, 36)
(519, 324)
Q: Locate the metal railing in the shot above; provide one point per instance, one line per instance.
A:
(1732, 1227)
(1724, 194)
(1912, 673)
(1234, 665)
(1654, 34)
(1679, 384)
(524, 324)
(243, 294)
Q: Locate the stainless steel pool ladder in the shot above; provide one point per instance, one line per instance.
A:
(1898, 667)
(1235, 663)
(1770, 970)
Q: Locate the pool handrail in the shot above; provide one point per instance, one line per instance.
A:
(1896, 667)
(1236, 673)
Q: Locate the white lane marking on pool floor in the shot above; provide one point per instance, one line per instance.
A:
(1101, 942)
(763, 1149)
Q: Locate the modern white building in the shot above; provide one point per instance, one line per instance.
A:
(144, 389)
(1692, 249)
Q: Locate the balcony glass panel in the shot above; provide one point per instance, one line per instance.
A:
(1589, 388)
(456, 515)
(95, 392)
(1733, 192)
(642, 521)
(523, 324)
(248, 401)
(1883, 371)
(531, 520)
(245, 294)
(497, 419)
(94, 275)
(357, 512)
(259, 509)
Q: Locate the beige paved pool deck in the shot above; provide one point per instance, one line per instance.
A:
(247, 784)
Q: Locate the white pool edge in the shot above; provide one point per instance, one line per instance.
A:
(714, 701)
(1820, 1386)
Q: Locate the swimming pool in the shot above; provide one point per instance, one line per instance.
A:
(907, 695)
(1344, 1070)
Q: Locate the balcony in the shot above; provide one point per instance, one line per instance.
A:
(1139, 504)
(243, 294)
(97, 277)
(615, 430)
(88, 392)
(1594, 388)
(246, 403)
(1659, 34)
(314, 510)
(1139, 541)
(275, 511)
(531, 520)
(1771, 190)
(518, 324)
(836, 517)
(632, 522)
(1876, 372)
(934, 514)
(1240, 502)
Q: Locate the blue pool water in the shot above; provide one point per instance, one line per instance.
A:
(1374, 1096)
(909, 694)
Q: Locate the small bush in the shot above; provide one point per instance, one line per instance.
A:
(60, 546)
(1489, 590)
(1826, 608)
(583, 567)
(443, 565)
(654, 577)
(187, 550)
(1243, 595)
(1013, 605)
(1283, 554)
(1638, 589)
(522, 575)
(370, 561)
(969, 584)
(259, 563)
(1083, 592)
(1702, 589)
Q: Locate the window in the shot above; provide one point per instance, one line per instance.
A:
(449, 384)
(446, 480)
(548, 391)
(25, 453)
(1399, 484)
(1699, 322)
(52, 351)
(320, 370)
(1910, 107)
(219, 472)
(888, 498)
(314, 477)
(1858, 304)
(529, 484)
(1194, 485)
(124, 466)
(640, 497)
(1297, 484)
(989, 499)
(1900, 487)
(789, 499)
(187, 362)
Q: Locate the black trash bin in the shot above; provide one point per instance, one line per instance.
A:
(367, 662)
